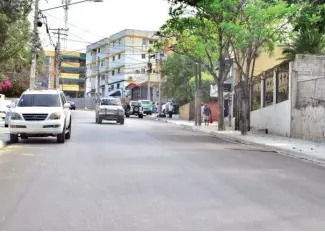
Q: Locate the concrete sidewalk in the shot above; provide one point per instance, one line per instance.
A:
(297, 148)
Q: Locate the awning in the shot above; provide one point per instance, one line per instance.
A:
(131, 86)
(116, 94)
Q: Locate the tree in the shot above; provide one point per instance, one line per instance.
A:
(304, 42)
(177, 71)
(259, 26)
(12, 11)
(197, 39)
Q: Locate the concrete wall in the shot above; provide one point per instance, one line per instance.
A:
(275, 118)
(308, 98)
(184, 112)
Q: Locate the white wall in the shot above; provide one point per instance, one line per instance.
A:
(275, 118)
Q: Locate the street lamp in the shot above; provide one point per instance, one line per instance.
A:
(74, 3)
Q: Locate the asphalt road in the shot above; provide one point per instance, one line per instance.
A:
(149, 175)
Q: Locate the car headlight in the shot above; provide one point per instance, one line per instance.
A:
(55, 116)
(120, 112)
(15, 116)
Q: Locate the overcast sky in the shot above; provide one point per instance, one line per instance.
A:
(90, 22)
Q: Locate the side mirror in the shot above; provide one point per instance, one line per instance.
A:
(67, 106)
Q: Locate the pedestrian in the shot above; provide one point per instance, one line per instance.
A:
(207, 114)
(170, 108)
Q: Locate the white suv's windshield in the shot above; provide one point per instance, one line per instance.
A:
(43, 100)
(110, 102)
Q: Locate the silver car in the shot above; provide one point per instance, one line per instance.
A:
(110, 109)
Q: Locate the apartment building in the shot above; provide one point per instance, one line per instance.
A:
(121, 61)
(72, 72)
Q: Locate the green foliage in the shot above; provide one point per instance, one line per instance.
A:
(259, 26)
(304, 42)
(177, 71)
(207, 81)
(16, 44)
(195, 38)
(179, 82)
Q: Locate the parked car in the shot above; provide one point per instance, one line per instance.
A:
(110, 109)
(73, 105)
(147, 107)
(134, 108)
(41, 113)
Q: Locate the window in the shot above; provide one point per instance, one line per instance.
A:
(113, 58)
(150, 41)
(144, 41)
(119, 56)
(102, 63)
(113, 73)
(143, 56)
(135, 104)
(118, 85)
(98, 50)
(110, 102)
(45, 100)
(119, 70)
(112, 87)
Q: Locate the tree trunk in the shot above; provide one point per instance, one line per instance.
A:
(221, 119)
(244, 107)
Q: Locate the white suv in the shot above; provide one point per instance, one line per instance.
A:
(41, 113)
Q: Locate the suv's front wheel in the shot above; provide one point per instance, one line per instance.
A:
(60, 138)
(68, 135)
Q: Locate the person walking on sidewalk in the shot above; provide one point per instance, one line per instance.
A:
(206, 114)
(169, 108)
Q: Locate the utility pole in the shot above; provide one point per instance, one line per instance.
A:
(149, 73)
(197, 100)
(199, 113)
(160, 80)
(57, 56)
(98, 80)
(66, 4)
(34, 47)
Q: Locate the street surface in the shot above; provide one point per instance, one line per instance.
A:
(149, 175)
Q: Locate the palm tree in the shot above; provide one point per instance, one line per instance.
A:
(305, 42)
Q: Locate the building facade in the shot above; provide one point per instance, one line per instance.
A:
(121, 61)
(72, 72)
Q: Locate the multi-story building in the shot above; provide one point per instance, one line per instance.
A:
(121, 61)
(72, 72)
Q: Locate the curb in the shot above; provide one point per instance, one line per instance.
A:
(283, 151)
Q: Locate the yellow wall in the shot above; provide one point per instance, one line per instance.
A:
(265, 61)
(70, 64)
(70, 53)
(70, 75)
(70, 87)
